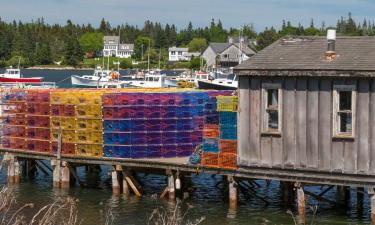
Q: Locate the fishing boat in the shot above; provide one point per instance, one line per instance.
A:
(14, 76)
(153, 79)
(99, 78)
(228, 83)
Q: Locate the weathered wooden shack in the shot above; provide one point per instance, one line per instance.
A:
(307, 110)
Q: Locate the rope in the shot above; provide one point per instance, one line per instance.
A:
(63, 80)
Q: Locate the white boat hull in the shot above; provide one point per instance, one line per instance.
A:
(85, 82)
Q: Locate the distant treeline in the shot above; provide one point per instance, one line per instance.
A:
(39, 43)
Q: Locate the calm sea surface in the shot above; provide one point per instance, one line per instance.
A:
(206, 200)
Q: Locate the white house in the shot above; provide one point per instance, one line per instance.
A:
(181, 54)
(112, 47)
(177, 54)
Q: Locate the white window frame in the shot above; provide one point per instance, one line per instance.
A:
(336, 104)
(265, 127)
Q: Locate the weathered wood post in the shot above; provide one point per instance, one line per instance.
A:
(232, 192)
(56, 164)
(10, 173)
(171, 185)
(360, 195)
(300, 200)
(125, 186)
(115, 182)
(56, 174)
(371, 193)
(17, 171)
(65, 175)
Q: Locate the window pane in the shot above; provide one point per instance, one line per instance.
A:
(273, 97)
(345, 122)
(345, 100)
(273, 119)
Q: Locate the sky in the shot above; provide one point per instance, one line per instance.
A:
(232, 13)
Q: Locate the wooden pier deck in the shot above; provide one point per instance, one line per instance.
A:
(181, 164)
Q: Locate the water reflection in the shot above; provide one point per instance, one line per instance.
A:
(206, 200)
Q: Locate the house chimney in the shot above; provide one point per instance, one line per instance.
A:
(331, 45)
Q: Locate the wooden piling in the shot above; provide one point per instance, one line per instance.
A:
(56, 173)
(65, 175)
(125, 187)
(301, 201)
(360, 195)
(171, 186)
(11, 170)
(115, 183)
(17, 172)
(232, 192)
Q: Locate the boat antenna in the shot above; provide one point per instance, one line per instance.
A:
(19, 61)
(148, 56)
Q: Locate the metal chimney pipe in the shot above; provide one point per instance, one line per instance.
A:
(331, 45)
(331, 39)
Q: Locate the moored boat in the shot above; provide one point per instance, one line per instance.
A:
(15, 76)
(99, 78)
(228, 83)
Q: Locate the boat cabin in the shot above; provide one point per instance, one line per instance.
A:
(307, 104)
(12, 73)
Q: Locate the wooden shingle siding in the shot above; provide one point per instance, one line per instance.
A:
(306, 140)
(243, 118)
(301, 122)
(372, 126)
(312, 123)
(288, 124)
(255, 120)
(325, 123)
(363, 125)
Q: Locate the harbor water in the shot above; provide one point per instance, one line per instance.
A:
(206, 200)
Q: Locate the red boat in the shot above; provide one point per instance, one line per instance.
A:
(14, 76)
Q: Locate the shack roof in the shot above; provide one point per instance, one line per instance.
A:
(218, 47)
(354, 54)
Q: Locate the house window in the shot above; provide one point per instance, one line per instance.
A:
(344, 97)
(271, 107)
(173, 52)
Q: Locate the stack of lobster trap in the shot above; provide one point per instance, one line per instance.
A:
(152, 125)
(122, 123)
(77, 116)
(220, 132)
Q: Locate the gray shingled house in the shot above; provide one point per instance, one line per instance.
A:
(309, 111)
(226, 54)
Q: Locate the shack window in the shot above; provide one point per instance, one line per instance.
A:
(271, 103)
(344, 110)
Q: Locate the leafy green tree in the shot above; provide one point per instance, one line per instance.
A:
(14, 60)
(73, 52)
(195, 63)
(197, 45)
(126, 64)
(91, 42)
(142, 43)
(43, 55)
(266, 38)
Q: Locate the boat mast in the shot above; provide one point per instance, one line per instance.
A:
(148, 56)
(19, 62)
(159, 57)
(240, 48)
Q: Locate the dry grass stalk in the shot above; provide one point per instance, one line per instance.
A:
(60, 212)
(175, 216)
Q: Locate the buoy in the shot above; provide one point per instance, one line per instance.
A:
(178, 183)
